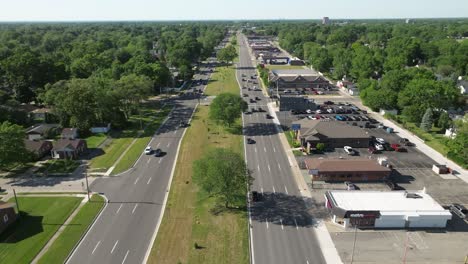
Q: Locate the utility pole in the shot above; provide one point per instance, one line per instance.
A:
(17, 204)
(354, 243)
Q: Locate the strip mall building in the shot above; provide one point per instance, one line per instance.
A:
(386, 209)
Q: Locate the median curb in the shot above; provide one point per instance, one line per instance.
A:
(106, 202)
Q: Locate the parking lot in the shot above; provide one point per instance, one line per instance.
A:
(412, 170)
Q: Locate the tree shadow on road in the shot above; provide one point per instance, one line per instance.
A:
(290, 210)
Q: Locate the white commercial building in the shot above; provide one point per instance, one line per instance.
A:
(386, 209)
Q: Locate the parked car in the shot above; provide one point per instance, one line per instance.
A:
(328, 102)
(392, 185)
(261, 109)
(319, 92)
(406, 142)
(250, 141)
(158, 152)
(183, 124)
(318, 111)
(350, 186)
(329, 110)
(245, 95)
(257, 98)
(372, 150)
(379, 146)
(308, 111)
(380, 140)
(349, 150)
(459, 210)
(148, 150)
(268, 116)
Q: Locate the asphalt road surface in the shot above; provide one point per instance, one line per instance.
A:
(124, 231)
(282, 226)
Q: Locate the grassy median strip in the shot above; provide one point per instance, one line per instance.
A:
(62, 246)
(40, 218)
(223, 81)
(192, 217)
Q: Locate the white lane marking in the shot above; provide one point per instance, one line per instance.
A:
(269, 136)
(281, 221)
(118, 210)
(261, 189)
(274, 189)
(258, 168)
(160, 160)
(255, 149)
(269, 169)
(266, 221)
(116, 242)
(148, 161)
(296, 224)
(158, 144)
(279, 166)
(136, 180)
(274, 149)
(134, 208)
(168, 144)
(97, 245)
(307, 262)
(264, 149)
(148, 181)
(123, 261)
(286, 190)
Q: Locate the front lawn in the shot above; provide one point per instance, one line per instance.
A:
(70, 236)
(64, 166)
(41, 217)
(95, 140)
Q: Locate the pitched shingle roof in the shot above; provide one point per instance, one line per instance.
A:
(310, 129)
(67, 143)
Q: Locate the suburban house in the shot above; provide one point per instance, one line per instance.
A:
(348, 87)
(339, 170)
(68, 148)
(295, 102)
(41, 131)
(7, 215)
(296, 78)
(101, 128)
(40, 113)
(40, 148)
(69, 133)
(332, 133)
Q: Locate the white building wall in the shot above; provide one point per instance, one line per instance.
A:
(390, 221)
(429, 222)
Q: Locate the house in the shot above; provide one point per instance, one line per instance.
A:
(296, 78)
(69, 133)
(385, 209)
(40, 114)
(101, 128)
(333, 134)
(40, 148)
(296, 62)
(295, 102)
(68, 148)
(339, 170)
(41, 131)
(7, 215)
(348, 87)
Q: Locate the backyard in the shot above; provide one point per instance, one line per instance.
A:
(41, 217)
(191, 216)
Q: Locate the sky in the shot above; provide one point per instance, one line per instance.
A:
(111, 10)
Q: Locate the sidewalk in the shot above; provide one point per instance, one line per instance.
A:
(327, 246)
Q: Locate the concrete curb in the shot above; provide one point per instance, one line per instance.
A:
(87, 230)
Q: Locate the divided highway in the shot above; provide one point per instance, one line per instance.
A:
(124, 231)
(281, 224)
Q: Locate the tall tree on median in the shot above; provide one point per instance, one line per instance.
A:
(131, 89)
(222, 173)
(227, 54)
(226, 108)
(12, 148)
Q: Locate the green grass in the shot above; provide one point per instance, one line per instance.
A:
(122, 140)
(291, 140)
(137, 148)
(95, 140)
(223, 81)
(41, 217)
(59, 166)
(432, 139)
(189, 217)
(46, 193)
(70, 236)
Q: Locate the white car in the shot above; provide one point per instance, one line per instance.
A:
(379, 146)
(349, 150)
(318, 111)
(380, 140)
(329, 110)
(148, 150)
(319, 92)
(308, 111)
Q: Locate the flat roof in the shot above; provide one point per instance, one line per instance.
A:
(385, 201)
(293, 72)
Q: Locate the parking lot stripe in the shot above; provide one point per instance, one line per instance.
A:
(296, 224)
(264, 148)
(136, 180)
(279, 166)
(266, 222)
(269, 167)
(134, 208)
(281, 221)
(286, 190)
(125, 258)
(261, 189)
(274, 149)
(116, 242)
(160, 160)
(274, 189)
(95, 247)
(118, 210)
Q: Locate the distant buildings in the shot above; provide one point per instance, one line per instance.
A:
(325, 21)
